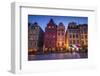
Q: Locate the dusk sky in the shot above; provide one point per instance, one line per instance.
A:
(43, 20)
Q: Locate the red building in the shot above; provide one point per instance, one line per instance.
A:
(50, 37)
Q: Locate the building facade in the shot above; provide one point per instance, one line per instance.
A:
(60, 37)
(50, 37)
(84, 35)
(72, 35)
(35, 38)
(76, 35)
(55, 39)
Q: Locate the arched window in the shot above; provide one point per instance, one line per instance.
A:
(49, 26)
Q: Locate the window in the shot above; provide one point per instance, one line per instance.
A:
(49, 42)
(82, 36)
(86, 41)
(36, 28)
(73, 36)
(81, 31)
(62, 30)
(49, 26)
(53, 36)
(70, 41)
(62, 44)
(76, 35)
(85, 36)
(62, 33)
(58, 30)
(77, 41)
(82, 42)
(58, 44)
(73, 41)
(70, 31)
(58, 33)
(33, 28)
(84, 31)
(34, 44)
(70, 36)
(73, 31)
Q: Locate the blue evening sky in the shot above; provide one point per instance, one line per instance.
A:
(43, 20)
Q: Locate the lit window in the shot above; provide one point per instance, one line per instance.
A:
(49, 26)
(53, 36)
(73, 41)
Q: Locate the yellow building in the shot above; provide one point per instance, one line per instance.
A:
(72, 35)
(60, 37)
(76, 35)
(84, 35)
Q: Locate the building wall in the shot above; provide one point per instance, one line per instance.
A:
(60, 37)
(84, 34)
(35, 37)
(50, 37)
(76, 34)
(73, 34)
(54, 38)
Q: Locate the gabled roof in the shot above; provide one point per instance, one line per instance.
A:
(51, 22)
